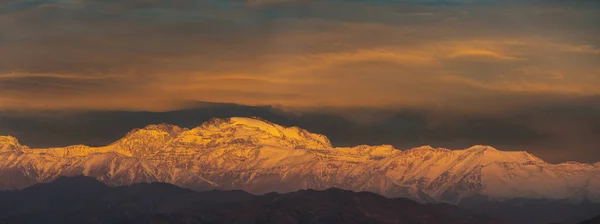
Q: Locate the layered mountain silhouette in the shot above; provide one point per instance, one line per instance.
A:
(86, 200)
(259, 157)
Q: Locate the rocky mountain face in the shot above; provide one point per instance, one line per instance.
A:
(259, 157)
(86, 200)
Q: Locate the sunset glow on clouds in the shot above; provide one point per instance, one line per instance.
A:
(158, 55)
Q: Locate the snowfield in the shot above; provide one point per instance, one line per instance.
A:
(259, 157)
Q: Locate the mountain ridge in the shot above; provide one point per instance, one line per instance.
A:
(259, 156)
(83, 199)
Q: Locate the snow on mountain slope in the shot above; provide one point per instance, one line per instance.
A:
(10, 144)
(20, 170)
(260, 157)
(449, 175)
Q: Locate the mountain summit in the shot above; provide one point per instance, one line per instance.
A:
(259, 157)
(10, 144)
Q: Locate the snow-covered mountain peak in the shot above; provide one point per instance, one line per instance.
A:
(173, 130)
(487, 154)
(260, 156)
(147, 140)
(253, 123)
(261, 132)
(424, 148)
(10, 143)
(7, 139)
(155, 130)
(482, 148)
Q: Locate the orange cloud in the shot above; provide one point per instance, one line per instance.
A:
(526, 87)
(314, 53)
(481, 54)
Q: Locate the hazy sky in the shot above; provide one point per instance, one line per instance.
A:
(492, 59)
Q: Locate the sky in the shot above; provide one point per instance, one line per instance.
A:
(517, 75)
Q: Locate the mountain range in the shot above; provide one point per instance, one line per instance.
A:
(259, 157)
(86, 200)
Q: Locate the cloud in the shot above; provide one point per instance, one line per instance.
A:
(381, 55)
(526, 87)
(266, 2)
(481, 54)
(157, 55)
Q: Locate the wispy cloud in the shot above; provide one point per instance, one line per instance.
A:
(481, 54)
(155, 55)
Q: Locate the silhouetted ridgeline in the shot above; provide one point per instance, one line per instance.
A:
(86, 200)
